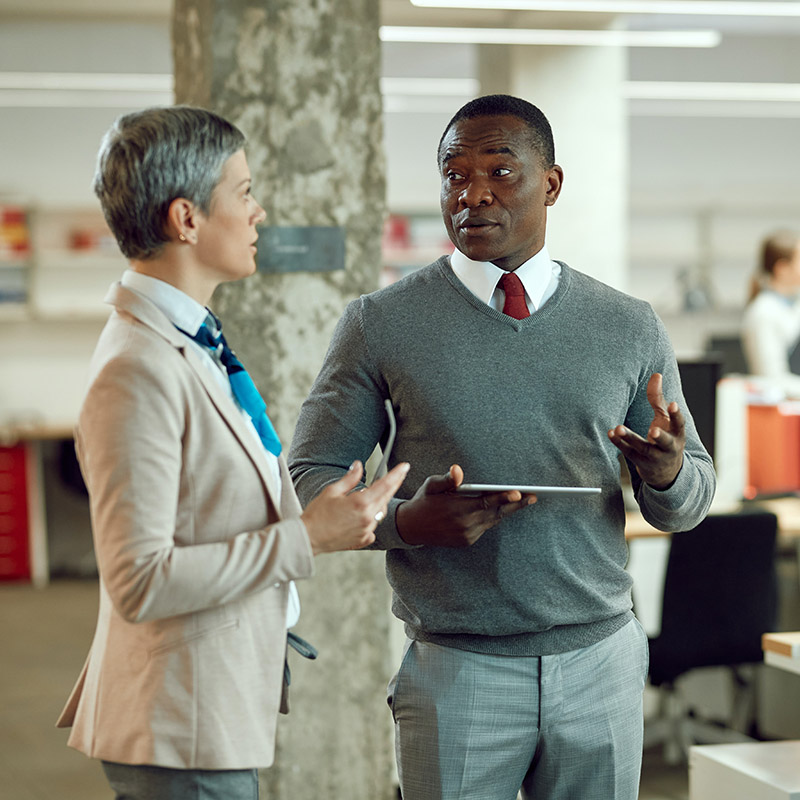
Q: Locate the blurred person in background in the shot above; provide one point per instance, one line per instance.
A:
(771, 326)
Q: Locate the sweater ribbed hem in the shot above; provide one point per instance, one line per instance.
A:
(561, 639)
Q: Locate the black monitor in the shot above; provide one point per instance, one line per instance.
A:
(728, 349)
(699, 378)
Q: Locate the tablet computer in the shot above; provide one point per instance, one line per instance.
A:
(541, 491)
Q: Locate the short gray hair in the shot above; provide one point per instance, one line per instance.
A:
(149, 158)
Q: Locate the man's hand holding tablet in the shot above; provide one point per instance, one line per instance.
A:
(440, 514)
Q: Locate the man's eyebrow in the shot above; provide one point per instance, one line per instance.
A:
(500, 150)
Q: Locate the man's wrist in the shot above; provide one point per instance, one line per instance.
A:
(665, 486)
(399, 524)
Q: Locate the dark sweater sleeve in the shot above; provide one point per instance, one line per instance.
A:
(343, 419)
(686, 502)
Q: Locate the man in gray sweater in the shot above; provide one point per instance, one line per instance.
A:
(524, 665)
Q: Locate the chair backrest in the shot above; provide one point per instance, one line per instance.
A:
(720, 595)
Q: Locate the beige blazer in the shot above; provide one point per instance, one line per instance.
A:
(194, 547)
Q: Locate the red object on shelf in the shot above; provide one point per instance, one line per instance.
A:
(15, 561)
(774, 449)
(14, 233)
(396, 232)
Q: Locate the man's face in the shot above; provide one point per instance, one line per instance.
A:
(495, 191)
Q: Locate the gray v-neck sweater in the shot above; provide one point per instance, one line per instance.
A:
(512, 401)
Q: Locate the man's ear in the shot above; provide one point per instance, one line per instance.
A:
(555, 180)
(182, 220)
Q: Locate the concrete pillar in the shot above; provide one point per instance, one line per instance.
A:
(301, 79)
(578, 89)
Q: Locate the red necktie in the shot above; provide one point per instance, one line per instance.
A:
(515, 305)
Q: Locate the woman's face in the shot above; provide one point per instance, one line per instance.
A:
(786, 274)
(227, 237)
(794, 266)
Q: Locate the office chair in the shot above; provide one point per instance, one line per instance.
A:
(720, 595)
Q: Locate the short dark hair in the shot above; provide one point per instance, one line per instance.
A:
(149, 158)
(494, 105)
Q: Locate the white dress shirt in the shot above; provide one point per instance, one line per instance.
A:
(188, 315)
(539, 275)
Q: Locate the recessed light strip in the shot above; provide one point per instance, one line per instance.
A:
(130, 82)
(740, 8)
(82, 98)
(87, 81)
(124, 90)
(716, 91)
(543, 36)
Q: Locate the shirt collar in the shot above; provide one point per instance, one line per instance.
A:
(481, 277)
(788, 299)
(181, 310)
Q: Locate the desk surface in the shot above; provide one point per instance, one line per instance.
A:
(787, 509)
(782, 650)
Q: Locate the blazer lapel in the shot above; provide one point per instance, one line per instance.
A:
(233, 416)
(150, 315)
(290, 504)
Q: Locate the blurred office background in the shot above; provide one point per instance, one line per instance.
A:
(709, 163)
(704, 164)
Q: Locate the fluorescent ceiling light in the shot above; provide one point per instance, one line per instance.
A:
(727, 109)
(698, 90)
(130, 90)
(87, 81)
(701, 99)
(84, 90)
(137, 82)
(125, 90)
(613, 38)
(52, 98)
(705, 7)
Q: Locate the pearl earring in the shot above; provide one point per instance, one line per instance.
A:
(181, 237)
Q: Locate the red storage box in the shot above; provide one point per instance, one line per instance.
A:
(774, 448)
(15, 560)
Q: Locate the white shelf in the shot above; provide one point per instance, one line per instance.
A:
(14, 312)
(70, 313)
(412, 256)
(80, 259)
(21, 263)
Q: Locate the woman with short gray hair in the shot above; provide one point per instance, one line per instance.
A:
(198, 533)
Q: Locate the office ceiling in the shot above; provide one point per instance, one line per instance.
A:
(402, 12)
(703, 175)
(393, 12)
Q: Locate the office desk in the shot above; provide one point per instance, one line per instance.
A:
(649, 551)
(747, 771)
(786, 509)
(782, 650)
